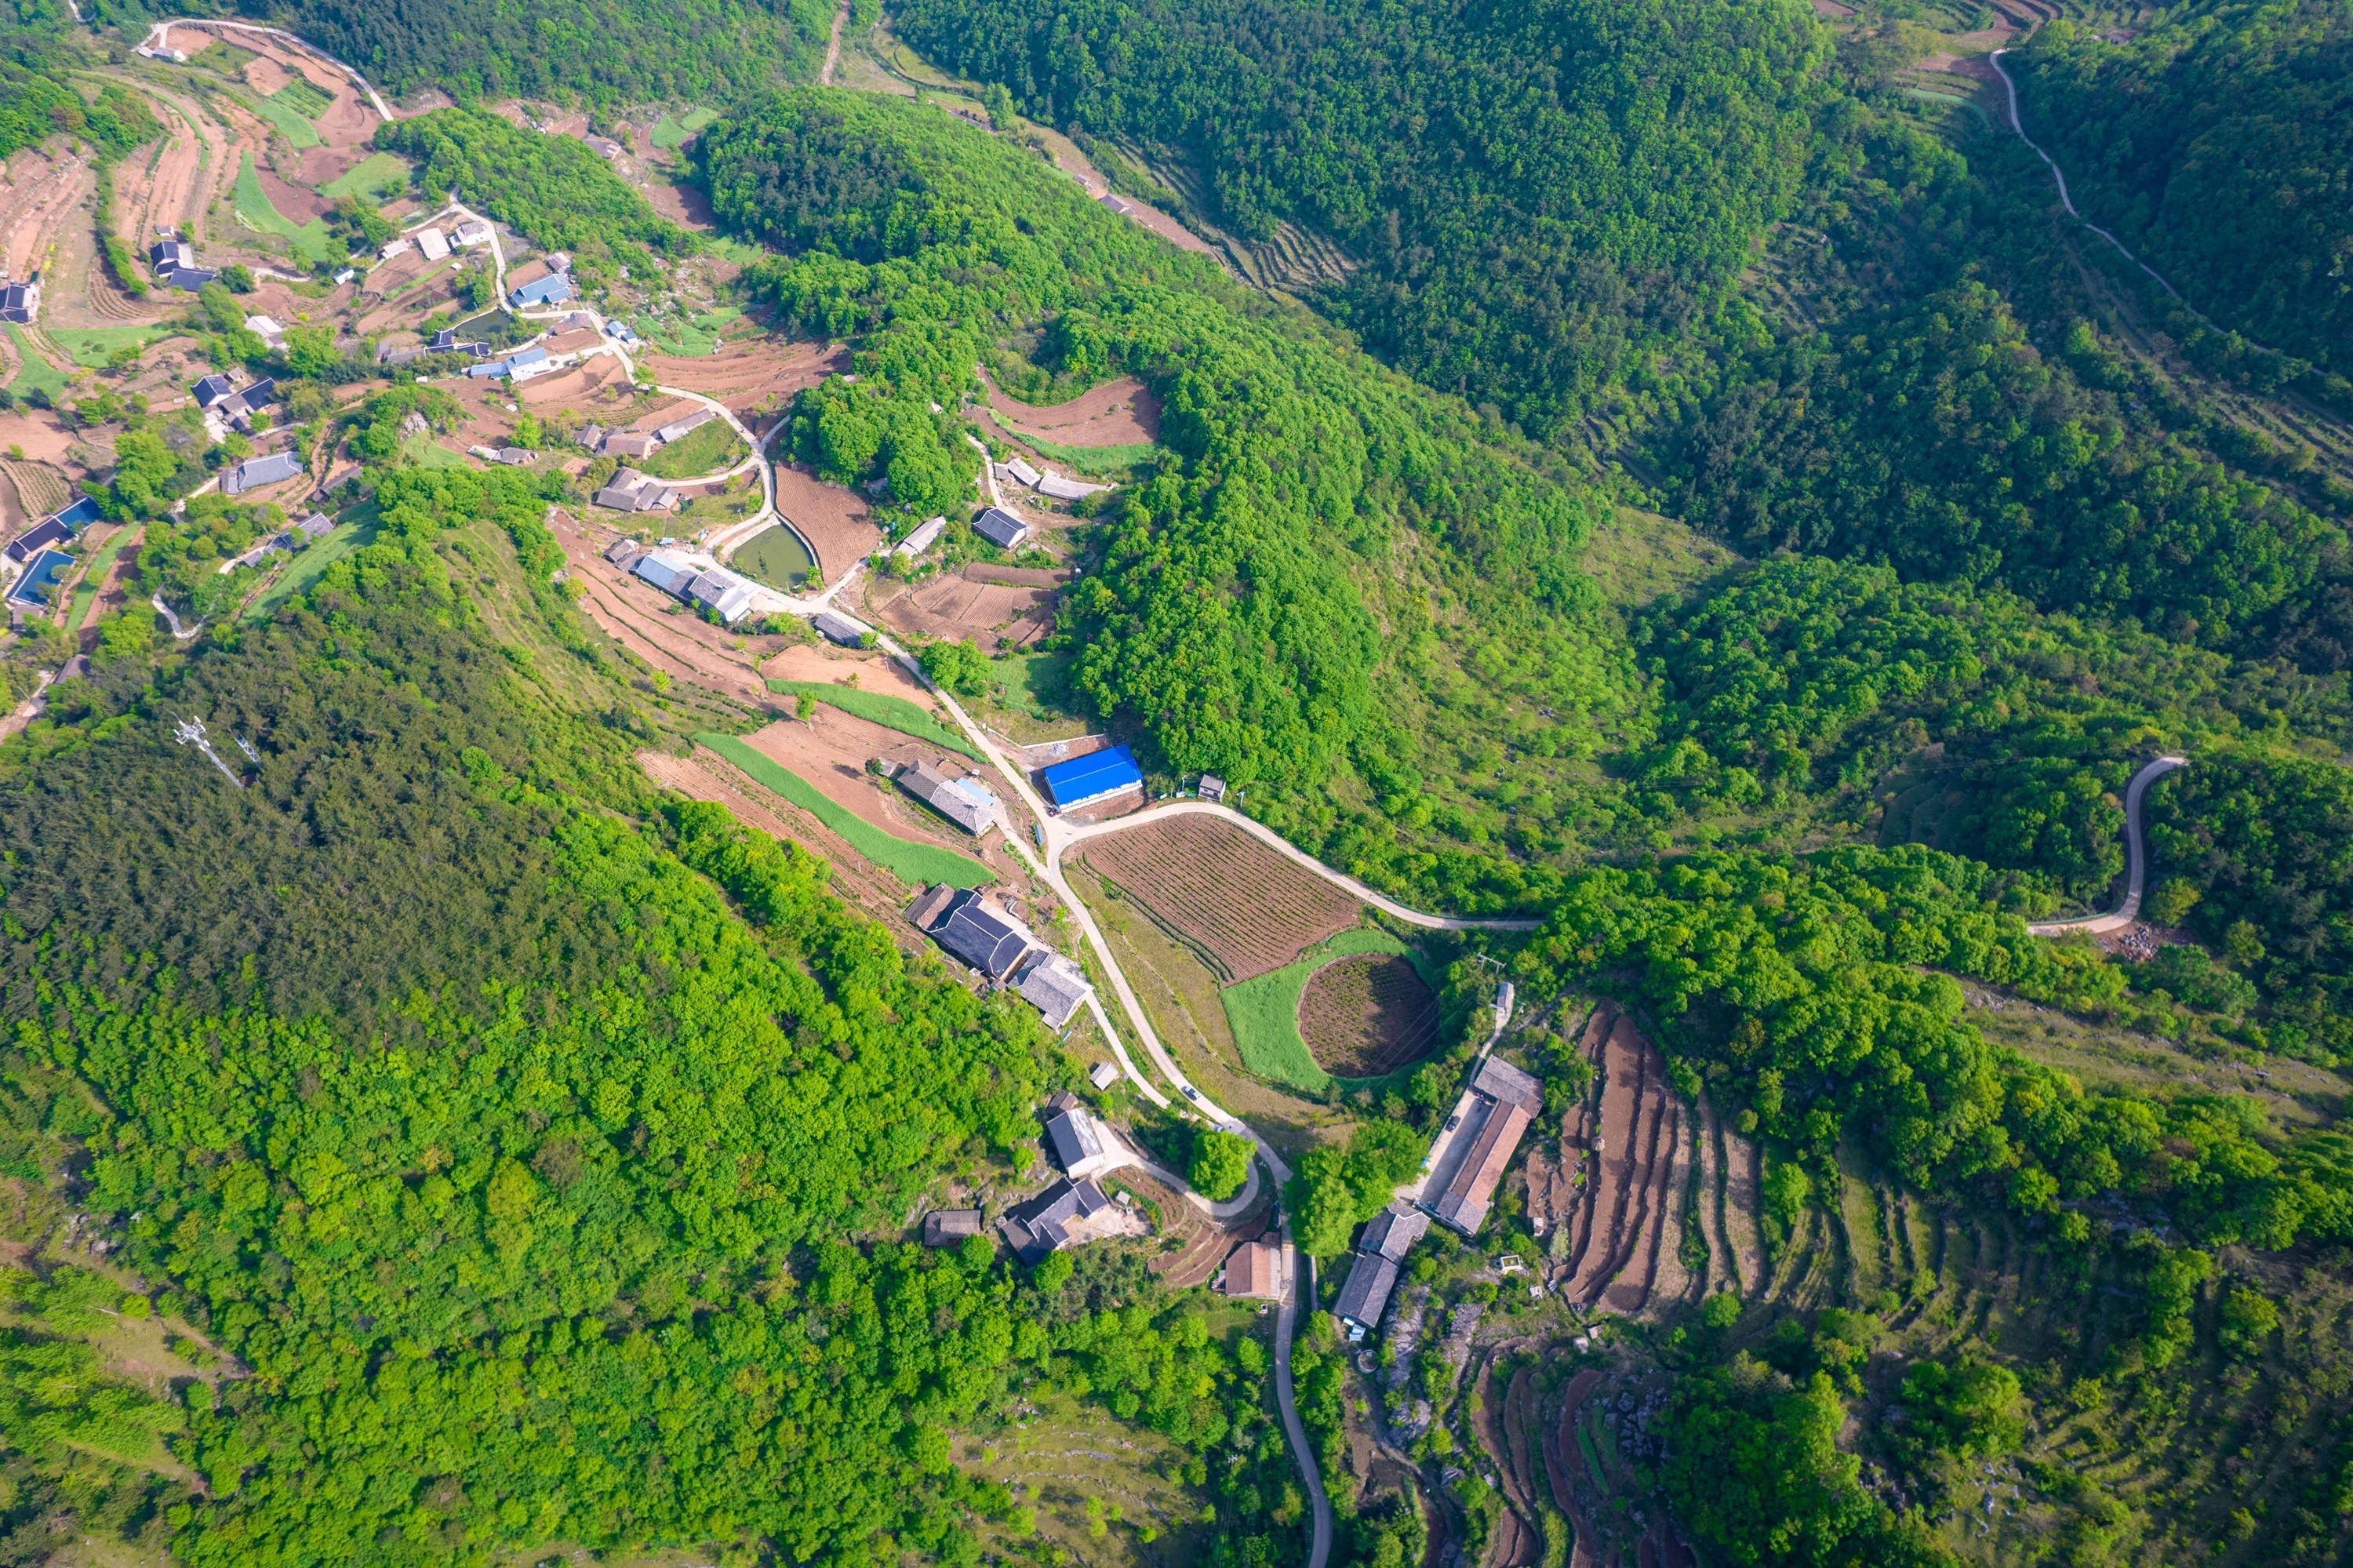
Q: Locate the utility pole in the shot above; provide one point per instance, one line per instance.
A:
(191, 732)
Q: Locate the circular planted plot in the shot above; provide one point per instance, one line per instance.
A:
(1366, 1015)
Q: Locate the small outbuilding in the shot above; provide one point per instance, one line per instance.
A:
(839, 628)
(948, 1227)
(1254, 1271)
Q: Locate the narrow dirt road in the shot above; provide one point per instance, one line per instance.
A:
(833, 45)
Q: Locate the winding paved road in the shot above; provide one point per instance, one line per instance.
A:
(2136, 849)
(2065, 199)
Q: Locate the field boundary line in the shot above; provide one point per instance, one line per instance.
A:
(1276, 842)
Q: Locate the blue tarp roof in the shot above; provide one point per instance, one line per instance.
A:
(1097, 774)
(48, 569)
(83, 510)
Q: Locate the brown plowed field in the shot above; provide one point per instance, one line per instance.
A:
(835, 522)
(1613, 1169)
(1366, 1015)
(831, 752)
(1122, 413)
(1253, 908)
(1621, 1280)
(956, 606)
(751, 375)
(1658, 1276)
(874, 672)
(1514, 1544)
(298, 204)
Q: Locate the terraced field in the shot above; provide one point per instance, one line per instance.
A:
(1657, 1168)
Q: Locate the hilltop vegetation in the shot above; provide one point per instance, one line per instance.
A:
(2217, 145)
(1542, 194)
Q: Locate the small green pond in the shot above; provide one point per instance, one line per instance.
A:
(776, 556)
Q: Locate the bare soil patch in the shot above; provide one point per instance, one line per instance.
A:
(40, 432)
(298, 203)
(756, 376)
(838, 666)
(1562, 1462)
(265, 75)
(831, 752)
(1366, 1015)
(1119, 413)
(584, 385)
(956, 606)
(1223, 891)
(682, 204)
(835, 522)
(324, 166)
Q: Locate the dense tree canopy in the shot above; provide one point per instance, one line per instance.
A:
(1538, 191)
(2219, 144)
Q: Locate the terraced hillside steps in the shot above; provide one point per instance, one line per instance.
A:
(1708, 1150)
(1614, 1167)
(1744, 1193)
(1587, 1116)
(1643, 1206)
(1565, 1464)
(1670, 1279)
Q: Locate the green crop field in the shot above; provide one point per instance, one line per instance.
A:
(376, 176)
(93, 345)
(304, 98)
(671, 134)
(1264, 1011)
(713, 449)
(290, 121)
(357, 527)
(919, 863)
(881, 707)
(34, 372)
(424, 452)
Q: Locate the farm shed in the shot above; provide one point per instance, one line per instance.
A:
(1102, 1075)
(1212, 787)
(678, 428)
(1366, 1296)
(837, 627)
(1254, 1271)
(1093, 777)
(1000, 528)
(946, 1227)
(1056, 1218)
(1062, 489)
(722, 592)
(19, 301)
(432, 245)
(1488, 1122)
(667, 572)
(960, 801)
(623, 553)
(921, 539)
(472, 233)
(630, 491)
(1021, 471)
(314, 526)
(628, 444)
(928, 905)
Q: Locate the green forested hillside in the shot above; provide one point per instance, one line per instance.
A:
(2217, 144)
(1238, 615)
(1540, 192)
(608, 51)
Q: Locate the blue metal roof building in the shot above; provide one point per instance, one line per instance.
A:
(47, 570)
(1093, 777)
